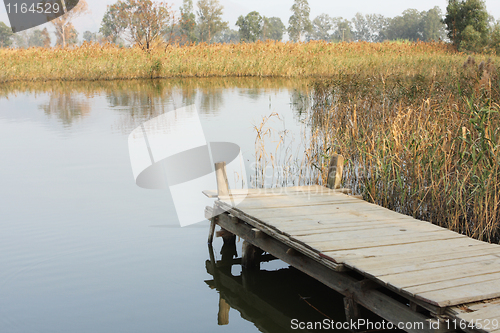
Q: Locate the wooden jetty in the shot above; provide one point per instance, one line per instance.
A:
(416, 275)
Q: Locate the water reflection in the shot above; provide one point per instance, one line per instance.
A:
(66, 106)
(141, 100)
(269, 299)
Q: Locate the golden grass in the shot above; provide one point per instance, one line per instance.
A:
(261, 59)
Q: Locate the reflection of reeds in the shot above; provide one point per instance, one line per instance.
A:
(424, 145)
(156, 87)
(140, 100)
(261, 59)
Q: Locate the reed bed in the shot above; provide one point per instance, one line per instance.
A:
(262, 59)
(425, 145)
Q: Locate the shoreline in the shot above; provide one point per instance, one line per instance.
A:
(94, 62)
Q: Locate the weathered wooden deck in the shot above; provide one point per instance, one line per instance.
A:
(403, 269)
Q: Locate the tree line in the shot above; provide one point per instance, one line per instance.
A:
(146, 23)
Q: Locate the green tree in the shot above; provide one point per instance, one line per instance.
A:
(65, 31)
(250, 26)
(147, 21)
(32, 38)
(21, 39)
(466, 20)
(113, 23)
(70, 36)
(299, 23)
(362, 31)
(90, 37)
(39, 38)
(433, 27)
(407, 26)
(210, 19)
(342, 30)
(378, 25)
(227, 36)
(472, 40)
(322, 28)
(143, 22)
(5, 35)
(46, 37)
(188, 21)
(272, 28)
(494, 43)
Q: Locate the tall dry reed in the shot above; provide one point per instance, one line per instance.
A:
(423, 145)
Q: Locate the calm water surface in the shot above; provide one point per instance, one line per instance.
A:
(83, 249)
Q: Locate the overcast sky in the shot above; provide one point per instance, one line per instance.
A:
(280, 8)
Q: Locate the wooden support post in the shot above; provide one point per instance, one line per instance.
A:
(258, 233)
(211, 231)
(352, 310)
(249, 256)
(335, 171)
(223, 315)
(213, 263)
(222, 183)
(224, 234)
(415, 307)
(209, 214)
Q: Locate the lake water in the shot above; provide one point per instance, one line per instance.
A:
(83, 249)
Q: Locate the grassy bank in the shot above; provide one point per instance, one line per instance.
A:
(426, 146)
(269, 59)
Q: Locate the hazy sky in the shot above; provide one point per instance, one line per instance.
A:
(281, 9)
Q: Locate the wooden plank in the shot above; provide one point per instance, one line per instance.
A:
(368, 215)
(351, 208)
(490, 311)
(417, 266)
(360, 226)
(349, 244)
(341, 223)
(399, 231)
(429, 275)
(396, 260)
(403, 281)
(332, 221)
(297, 201)
(462, 294)
(295, 190)
(431, 246)
(483, 304)
(336, 218)
(319, 227)
(302, 196)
